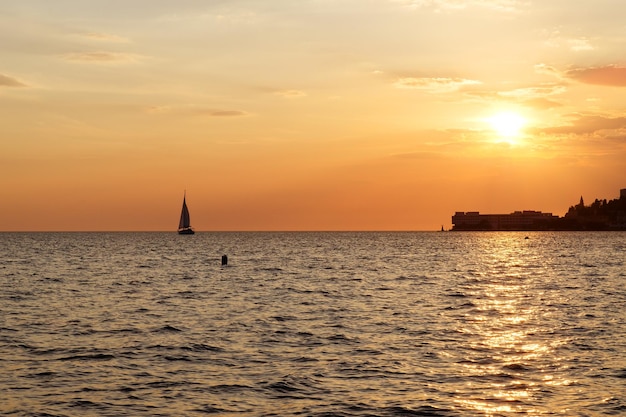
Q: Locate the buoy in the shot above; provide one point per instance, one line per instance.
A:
(224, 260)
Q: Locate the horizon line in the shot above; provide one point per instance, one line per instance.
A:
(228, 231)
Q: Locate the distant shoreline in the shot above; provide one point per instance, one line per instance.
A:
(205, 232)
(601, 215)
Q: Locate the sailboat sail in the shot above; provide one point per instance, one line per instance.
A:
(184, 216)
(184, 225)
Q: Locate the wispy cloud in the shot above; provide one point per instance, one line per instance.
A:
(555, 39)
(542, 103)
(434, 85)
(452, 5)
(609, 75)
(227, 113)
(586, 135)
(6, 81)
(196, 111)
(290, 93)
(227, 15)
(534, 92)
(158, 109)
(105, 37)
(547, 70)
(585, 124)
(581, 44)
(102, 57)
(538, 97)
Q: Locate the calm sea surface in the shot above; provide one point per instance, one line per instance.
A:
(313, 324)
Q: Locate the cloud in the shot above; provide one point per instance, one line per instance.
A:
(101, 56)
(195, 111)
(227, 113)
(158, 109)
(536, 97)
(610, 75)
(581, 44)
(556, 40)
(542, 103)
(587, 124)
(290, 93)
(453, 5)
(547, 70)
(434, 85)
(105, 37)
(535, 92)
(6, 81)
(420, 155)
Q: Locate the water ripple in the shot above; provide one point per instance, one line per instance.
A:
(312, 324)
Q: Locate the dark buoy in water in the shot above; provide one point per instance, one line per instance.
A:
(526, 237)
(224, 260)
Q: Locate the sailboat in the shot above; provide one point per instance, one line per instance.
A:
(184, 226)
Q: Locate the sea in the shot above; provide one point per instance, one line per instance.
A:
(313, 324)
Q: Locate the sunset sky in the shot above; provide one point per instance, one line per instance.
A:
(306, 115)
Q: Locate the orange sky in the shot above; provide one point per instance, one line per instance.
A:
(306, 115)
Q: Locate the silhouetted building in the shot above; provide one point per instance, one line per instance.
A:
(519, 220)
(600, 215)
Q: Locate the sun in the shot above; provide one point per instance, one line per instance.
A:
(507, 125)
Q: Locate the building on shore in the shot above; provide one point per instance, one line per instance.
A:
(519, 220)
(600, 215)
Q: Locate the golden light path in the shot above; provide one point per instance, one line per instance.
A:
(505, 331)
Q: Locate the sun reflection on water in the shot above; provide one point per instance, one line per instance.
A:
(507, 356)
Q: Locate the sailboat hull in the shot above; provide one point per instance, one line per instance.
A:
(186, 231)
